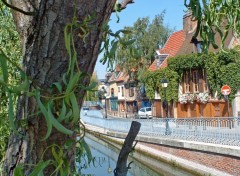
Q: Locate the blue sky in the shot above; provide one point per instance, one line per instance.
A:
(146, 8)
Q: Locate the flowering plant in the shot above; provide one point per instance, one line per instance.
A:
(203, 97)
(191, 98)
(183, 98)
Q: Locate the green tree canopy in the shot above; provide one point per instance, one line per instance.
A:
(91, 94)
(148, 36)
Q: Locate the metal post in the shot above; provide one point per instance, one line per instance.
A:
(105, 108)
(167, 132)
(226, 98)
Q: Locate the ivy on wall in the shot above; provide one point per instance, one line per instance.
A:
(221, 68)
(153, 80)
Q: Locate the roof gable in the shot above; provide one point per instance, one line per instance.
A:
(171, 48)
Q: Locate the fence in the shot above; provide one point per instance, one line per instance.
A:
(224, 131)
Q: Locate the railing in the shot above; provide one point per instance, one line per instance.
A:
(210, 130)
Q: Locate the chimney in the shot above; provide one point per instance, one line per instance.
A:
(188, 23)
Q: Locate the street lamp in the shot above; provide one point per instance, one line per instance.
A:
(105, 96)
(165, 104)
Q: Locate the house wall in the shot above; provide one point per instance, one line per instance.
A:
(157, 109)
(127, 95)
(115, 87)
(210, 109)
(236, 105)
(121, 89)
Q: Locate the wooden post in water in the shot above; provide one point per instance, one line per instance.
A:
(122, 168)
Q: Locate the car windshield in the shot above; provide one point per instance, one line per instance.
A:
(85, 108)
(148, 109)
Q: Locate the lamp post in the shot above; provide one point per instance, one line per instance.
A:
(165, 104)
(105, 95)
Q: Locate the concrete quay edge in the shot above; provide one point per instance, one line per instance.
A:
(183, 163)
(192, 145)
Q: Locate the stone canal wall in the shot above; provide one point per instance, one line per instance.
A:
(197, 157)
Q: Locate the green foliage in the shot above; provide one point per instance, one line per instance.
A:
(186, 62)
(58, 104)
(213, 17)
(110, 43)
(91, 95)
(9, 48)
(222, 68)
(148, 37)
(152, 81)
(59, 162)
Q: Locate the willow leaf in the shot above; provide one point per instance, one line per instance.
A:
(87, 149)
(18, 171)
(75, 107)
(58, 86)
(73, 82)
(63, 112)
(69, 114)
(57, 124)
(67, 39)
(40, 167)
(45, 114)
(90, 87)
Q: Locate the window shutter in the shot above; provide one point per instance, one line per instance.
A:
(191, 81)
(183, 83)
(201, 83)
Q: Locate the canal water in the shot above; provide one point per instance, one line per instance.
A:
(104, 157)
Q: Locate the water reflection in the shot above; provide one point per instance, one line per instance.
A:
(104, 156)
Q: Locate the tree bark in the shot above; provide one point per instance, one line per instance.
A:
(45, 61)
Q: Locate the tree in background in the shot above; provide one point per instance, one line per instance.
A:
(91, 95)
(148, 36)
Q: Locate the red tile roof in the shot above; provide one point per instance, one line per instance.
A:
(171, 48)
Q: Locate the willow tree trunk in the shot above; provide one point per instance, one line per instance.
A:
(45, 61)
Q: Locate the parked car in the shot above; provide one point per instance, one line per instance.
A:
(85, 110)
(145, 112)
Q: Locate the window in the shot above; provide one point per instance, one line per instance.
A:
(122, 92)
(195, 81)
(112, 92)
(114, 104)
(160, 59)
(118, 89)
(131, 92)
(148, 109)
(187, 82)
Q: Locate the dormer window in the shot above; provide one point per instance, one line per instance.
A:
(160, 59)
